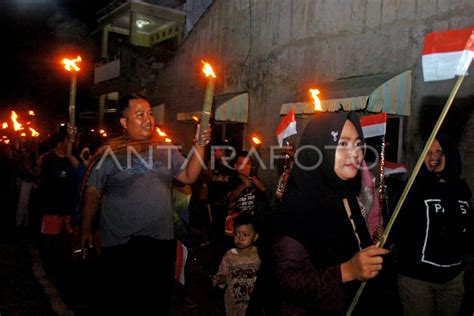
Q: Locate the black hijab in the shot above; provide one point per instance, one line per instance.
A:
(452, 168)
(312, 209)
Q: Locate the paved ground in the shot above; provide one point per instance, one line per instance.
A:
(25, 288)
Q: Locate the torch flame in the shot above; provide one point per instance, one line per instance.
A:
(4, 125)
(317, 102)
(101, 131)
(70, 64)
(160, 132)
(33, 132)
(23, 134)
(7, 141)
(168, 140)
(16, 126)
(32, 113)
(207, 70)
(195, 118)
(256, 140)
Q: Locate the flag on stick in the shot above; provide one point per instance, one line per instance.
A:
(286, 128)
(393, 168)
(181, 257)
(446, 54)
(374, 125)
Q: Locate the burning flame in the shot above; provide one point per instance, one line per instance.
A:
(104, 134)
(23, 134)
(16, 126)
(7, 141)
(4, 125)
(207, 70)
(32, 113)
(256, 140)
(70, 64)
(195, 118)
(160, 132)
(101, 131)
(33, 132)
(4, 137)
(168, 140)
(317, 102)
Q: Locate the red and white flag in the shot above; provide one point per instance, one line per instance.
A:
(181, 257)
(374, 125)
(286, 128)
(393, 168)
(446, 54)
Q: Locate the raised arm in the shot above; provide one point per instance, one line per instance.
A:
(194, 167)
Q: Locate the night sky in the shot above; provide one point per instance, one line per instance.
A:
(36, 35)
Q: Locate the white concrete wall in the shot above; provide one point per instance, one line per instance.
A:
(276, 49)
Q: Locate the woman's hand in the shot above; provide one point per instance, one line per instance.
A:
(364, 265)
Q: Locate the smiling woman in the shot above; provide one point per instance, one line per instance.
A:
(438, 215)
(321, 243)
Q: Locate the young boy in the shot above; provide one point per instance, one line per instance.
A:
(238, 268)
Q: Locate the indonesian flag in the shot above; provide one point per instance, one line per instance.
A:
(393, 168)
(374, 125)
(446, 54)
(286, 128)
(181, 256)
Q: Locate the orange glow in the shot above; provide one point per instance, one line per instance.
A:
(207, 70)
(28, 123)
(4, 125)
(32, 113)
(195, 118)
(168, 140)
(104, 134)
(16, 126)
(33, 132)
(4, 137)
(160, 132)
(7, 141)
(317, 102)
(101, 131)
(23, 134)
(256, 140)
(70, 64)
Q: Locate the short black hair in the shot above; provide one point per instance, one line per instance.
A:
(245, 219)
(124, 102)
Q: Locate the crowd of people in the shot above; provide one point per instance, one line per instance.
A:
(302, 249)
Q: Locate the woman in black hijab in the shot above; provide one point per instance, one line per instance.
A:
(438, 216)
(321, 241)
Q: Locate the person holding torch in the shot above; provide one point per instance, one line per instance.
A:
(130, 181)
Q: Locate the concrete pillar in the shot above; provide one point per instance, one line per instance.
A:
(133, 28)
(105, 42)
(102, 100)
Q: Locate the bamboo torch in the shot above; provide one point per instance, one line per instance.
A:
(207, 105)
(70, 65)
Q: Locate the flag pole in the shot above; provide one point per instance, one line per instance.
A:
(413, 175)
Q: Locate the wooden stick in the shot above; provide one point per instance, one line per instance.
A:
(410, 181)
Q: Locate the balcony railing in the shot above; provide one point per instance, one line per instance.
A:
(107, 71)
